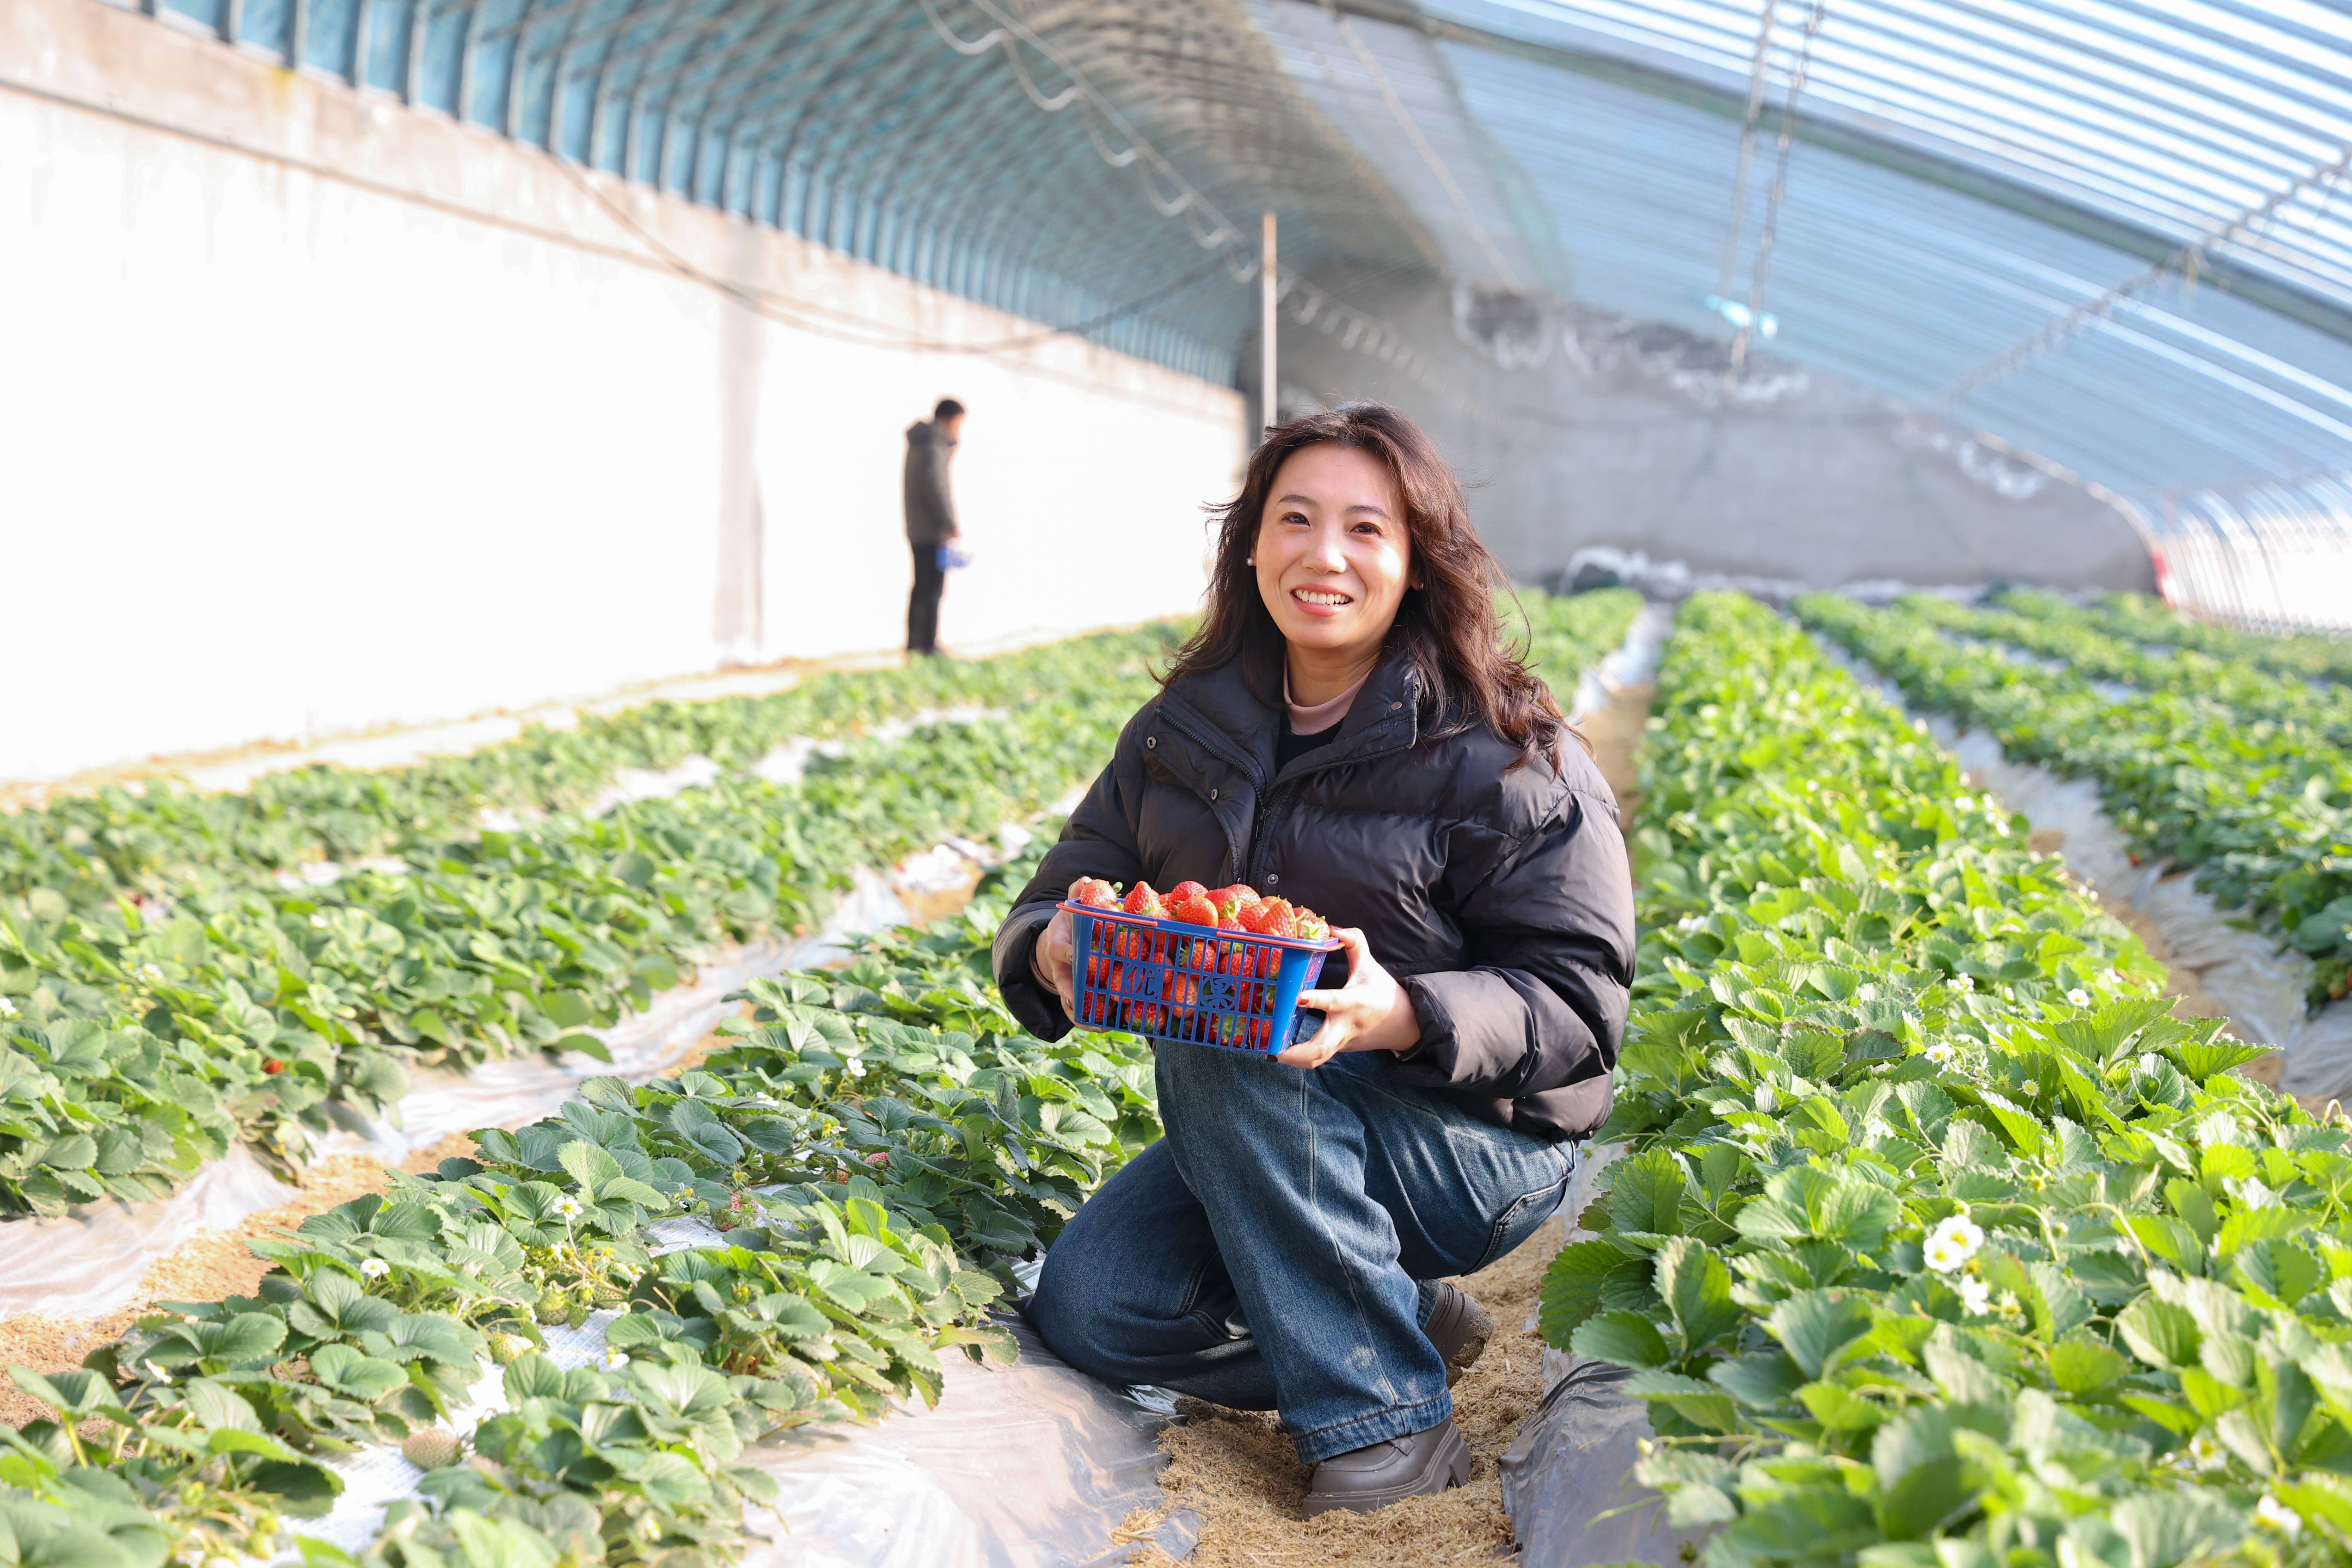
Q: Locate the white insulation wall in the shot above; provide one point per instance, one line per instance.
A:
(318, 412)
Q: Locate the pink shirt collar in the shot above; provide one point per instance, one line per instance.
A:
(1323, 715)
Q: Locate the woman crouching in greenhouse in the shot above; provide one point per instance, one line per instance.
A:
(1350, 730)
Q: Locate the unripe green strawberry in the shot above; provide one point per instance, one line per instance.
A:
(505, 1348)
(434, 1448)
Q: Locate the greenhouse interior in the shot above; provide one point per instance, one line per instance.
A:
(663, 914)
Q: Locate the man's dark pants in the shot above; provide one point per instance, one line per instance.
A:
(923, 604)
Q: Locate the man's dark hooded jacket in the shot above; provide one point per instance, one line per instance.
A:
(930, 504)
(1500, 897)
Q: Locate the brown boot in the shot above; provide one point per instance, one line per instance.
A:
(1459, 1327)
(1383, 1473)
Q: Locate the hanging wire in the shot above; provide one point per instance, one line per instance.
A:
(1774, 198)
(1736, 230)
(1429, 156)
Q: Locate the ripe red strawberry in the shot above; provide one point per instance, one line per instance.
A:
(1231, 901)
(1280, 919)
(1183, 890)
(1194, 911)
(273, 1067)
(1313, 927)
(1142, 900)
(1094, 893)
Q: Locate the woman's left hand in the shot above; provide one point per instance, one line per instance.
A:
(1369, 1013)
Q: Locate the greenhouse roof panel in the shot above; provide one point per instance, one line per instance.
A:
(2177, 117)
(1983, 213)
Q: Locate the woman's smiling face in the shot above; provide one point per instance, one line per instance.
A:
(1334, 556)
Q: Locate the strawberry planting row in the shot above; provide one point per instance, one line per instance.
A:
(1939, 1242)
(2150, 620)
(2047, 626)
(160, 842)
(2263, 812)
(140, 1043)
(864, 1140)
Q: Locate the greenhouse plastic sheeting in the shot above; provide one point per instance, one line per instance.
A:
(91, 1261)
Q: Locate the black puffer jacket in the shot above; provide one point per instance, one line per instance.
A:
(1501, 899)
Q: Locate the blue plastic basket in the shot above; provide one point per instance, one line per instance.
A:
(1172, 980)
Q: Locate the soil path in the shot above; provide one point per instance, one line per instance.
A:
(1240, 1474)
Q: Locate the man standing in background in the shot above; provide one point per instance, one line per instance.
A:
(931, 518)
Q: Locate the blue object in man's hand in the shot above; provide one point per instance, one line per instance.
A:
(951, 559)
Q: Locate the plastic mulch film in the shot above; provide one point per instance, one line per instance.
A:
(1632, 662)
(1027, 1465)
(1033, 1465)
(88, 1262)
(2260, 985)
(1568, 1476)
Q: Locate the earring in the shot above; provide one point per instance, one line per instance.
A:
(1251, 561)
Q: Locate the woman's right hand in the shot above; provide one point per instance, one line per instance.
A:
(1051, 960)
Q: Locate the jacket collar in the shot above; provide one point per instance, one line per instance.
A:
(1385, 716)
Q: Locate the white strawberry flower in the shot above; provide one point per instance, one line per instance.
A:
(1962, 983)
(2078, 997)
(1942, 1053)
(853, 1068)
(1690, 923)
(7, 1008)
(1965, 804)
(2008, 1306)
(568, 1206)
(1952, 1242)
(375, 1269)
(2031, 1088)
(2277, 1516)
(1975, 1295)
(615, 1358)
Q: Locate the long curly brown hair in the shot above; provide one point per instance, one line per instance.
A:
(1448, 628)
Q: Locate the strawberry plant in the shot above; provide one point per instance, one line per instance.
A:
(1939, 1241)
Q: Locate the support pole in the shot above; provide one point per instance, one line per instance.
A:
(1267, 293)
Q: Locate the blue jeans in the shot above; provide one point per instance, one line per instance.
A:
(1272, 1251)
